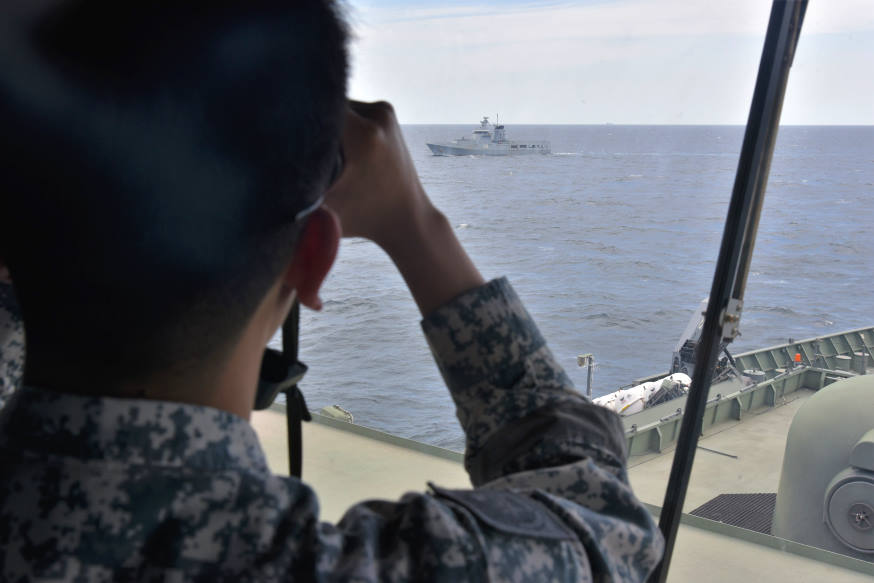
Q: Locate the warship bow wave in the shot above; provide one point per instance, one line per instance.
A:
(488, 140)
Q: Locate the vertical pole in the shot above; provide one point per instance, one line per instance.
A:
(726, 294)
(293, 403)
(589, 376)
(587, 359)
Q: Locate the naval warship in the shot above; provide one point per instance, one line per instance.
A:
(488, 140)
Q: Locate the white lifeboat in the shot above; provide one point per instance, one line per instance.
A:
(637, 398)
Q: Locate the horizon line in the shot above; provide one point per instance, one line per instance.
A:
(823, 125)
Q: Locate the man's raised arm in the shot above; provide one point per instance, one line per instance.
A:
(547, 464)
(379, 197)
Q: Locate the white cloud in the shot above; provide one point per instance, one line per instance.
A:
(447, 64)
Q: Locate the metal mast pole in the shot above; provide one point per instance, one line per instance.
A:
(295, 406)
(726, 294)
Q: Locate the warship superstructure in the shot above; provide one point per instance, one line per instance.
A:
(488, 140)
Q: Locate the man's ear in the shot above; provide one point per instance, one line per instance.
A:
(315, 253)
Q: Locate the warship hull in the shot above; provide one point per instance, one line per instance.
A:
(488, 140)
(491, 149)
(769, 376)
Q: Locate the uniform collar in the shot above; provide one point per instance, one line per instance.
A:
(129, 431)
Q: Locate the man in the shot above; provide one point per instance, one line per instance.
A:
(164, 174)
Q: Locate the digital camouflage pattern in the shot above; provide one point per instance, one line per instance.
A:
(100, 489)
(11, 341)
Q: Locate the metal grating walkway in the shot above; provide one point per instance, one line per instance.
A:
(749, 511)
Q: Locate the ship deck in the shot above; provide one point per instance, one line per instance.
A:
(348, 463)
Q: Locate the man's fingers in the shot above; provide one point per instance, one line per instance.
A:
(379, 111)
(368, 128)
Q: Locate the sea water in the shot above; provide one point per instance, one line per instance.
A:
(611, 242)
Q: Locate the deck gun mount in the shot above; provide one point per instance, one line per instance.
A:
(826, 493)
(684, 356)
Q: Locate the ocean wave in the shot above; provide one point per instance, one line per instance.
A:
(772, 309)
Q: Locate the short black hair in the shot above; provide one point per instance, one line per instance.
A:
(154, 156)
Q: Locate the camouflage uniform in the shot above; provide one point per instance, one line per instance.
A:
(11, 343)
(115, 489)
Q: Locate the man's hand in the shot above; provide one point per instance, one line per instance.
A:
(379, 189)
(379, 197)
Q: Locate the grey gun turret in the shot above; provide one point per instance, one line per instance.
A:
(826, 493)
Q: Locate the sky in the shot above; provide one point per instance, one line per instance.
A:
(605, 61)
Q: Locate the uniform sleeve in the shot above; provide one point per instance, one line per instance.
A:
(530, 433)
(11, 343)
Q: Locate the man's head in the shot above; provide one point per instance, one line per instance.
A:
(155, 154)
